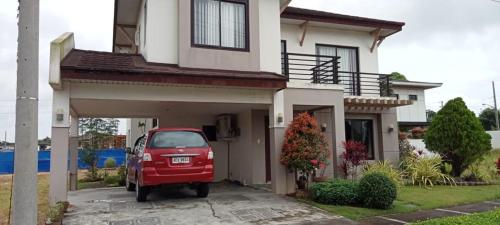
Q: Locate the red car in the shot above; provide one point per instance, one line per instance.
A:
(170, 156)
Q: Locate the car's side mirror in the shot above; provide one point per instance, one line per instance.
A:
(128, 150)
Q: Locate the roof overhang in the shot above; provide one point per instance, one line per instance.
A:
(124, 25)
(416, 84)
(384, 28)
(97, 66)
(361, 102)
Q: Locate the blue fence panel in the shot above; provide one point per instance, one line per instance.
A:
(7, 160)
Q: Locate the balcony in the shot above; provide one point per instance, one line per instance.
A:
(325, 70)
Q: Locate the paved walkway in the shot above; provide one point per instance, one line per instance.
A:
(226, 204)
(406, 218)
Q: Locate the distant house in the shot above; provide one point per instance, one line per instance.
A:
(413, 115)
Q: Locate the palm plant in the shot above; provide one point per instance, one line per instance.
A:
(426, 171)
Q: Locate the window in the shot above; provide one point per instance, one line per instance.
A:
(348, 63)
(283, 52)
(413, 97)
(178, 139)
(361, 131)
(220, 24)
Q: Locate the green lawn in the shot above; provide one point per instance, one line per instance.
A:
(492, 217)
(412, 198)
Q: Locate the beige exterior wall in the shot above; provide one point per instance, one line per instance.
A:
(368, 61)
(160, 43)
(385, 131)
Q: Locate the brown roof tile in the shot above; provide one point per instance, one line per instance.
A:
(83, 64)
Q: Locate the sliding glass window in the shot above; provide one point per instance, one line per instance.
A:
(361, 131)
(220, 24)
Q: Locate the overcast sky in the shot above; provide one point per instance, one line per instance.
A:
(449, 41)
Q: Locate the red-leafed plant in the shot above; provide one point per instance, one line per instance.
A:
(498, 166)
(305, 147)
(355, 155)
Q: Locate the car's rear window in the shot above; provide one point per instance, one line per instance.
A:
(177, 139)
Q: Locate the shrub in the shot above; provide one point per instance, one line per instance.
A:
(418, 132)
(337, 192)
(483, 169)
(385, 168)
(56, 212)
(122, 173)
(447, 168)
(456, 133)
(377, 191)
(304, 146)
(110, 163)
(426, 171)
(112, 180)
(355, 154)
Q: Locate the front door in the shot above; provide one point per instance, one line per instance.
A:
(268, 149)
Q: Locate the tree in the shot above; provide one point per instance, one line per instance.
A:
(487, 118)
(457, 135)
(98, 131)
(398, 76)
(305, 146)
(430, 114)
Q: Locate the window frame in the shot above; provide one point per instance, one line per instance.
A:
(220, 47)
(410, 97)
(283, 44)
(358, 63)
(372, 138)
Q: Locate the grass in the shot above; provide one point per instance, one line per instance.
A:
(414, 198)
(492, 217)
(43, 197)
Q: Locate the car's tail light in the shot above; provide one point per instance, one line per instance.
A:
(147, 157)
(210, 154)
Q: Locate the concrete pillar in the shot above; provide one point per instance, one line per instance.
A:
(73, 154)
(339, 136)
(60, 145)
(24, 209)
(277, 133)
(389, 134)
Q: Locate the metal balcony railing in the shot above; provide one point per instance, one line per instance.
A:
(325, 70)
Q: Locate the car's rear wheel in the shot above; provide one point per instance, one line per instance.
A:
(202, 190)
(129, 185)
(141, 193)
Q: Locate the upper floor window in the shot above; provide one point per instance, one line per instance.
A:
(220, 23)
(413, 97)
(348, 61)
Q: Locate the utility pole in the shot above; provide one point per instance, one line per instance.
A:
(495, 104)
(24, 210)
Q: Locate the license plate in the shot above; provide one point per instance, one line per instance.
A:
(178, 160)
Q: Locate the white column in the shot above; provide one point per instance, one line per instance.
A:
(26, 161)
(280, 115)
(73, 153)
(60, 145)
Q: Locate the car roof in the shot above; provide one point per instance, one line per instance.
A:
(176, 129)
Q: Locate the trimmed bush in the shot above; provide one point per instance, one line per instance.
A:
(110, 163)
(377, 191)
(337, 192)
(112, 180)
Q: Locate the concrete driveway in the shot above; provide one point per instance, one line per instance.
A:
(226, 204)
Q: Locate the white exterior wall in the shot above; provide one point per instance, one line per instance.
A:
(415, 112)
(134, 131)
(162, 27)
(269, 31)
(368, 61)
(495, 139)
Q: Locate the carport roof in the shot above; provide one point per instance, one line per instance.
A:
(95, 65)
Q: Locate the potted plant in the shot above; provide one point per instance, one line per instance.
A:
(305, 147)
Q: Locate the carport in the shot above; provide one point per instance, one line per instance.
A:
(113, 85)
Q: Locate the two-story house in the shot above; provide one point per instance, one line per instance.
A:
(414, 115)
(189, 62)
